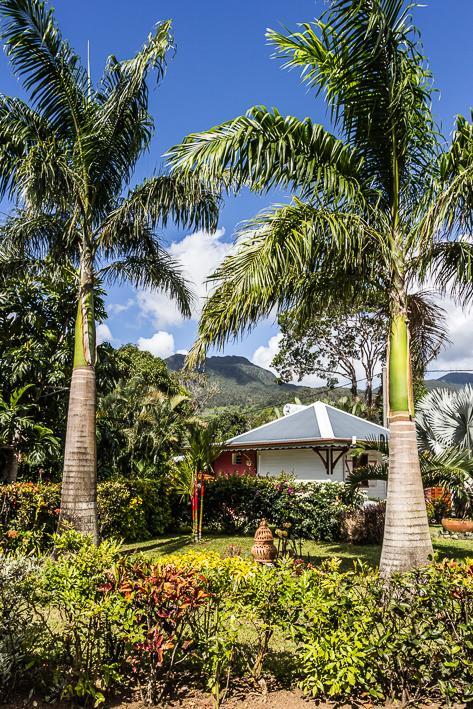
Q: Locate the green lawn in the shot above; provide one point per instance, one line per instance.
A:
(312, 551)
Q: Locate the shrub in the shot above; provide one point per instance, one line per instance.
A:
(160, 600)
(236, 504)
(78, 653)
(438, 509)
(104, 622)
(28, 515)
(364, 525)
(17, 627)
(132, 510)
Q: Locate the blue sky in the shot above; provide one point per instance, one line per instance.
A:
(222, 67)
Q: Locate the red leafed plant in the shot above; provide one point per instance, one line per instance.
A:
(161, 599)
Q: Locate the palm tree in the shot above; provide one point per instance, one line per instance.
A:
(197, 464)
(68, 160)
(445, 419)
(357, 228)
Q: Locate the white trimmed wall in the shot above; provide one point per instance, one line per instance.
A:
(307, 466)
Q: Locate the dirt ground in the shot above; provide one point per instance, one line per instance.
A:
(279, 699)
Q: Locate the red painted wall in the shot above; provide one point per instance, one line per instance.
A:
(223, 464)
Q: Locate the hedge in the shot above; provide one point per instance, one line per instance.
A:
(236, 504)
(200, 621)
(132, 510)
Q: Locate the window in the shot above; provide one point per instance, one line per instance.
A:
(237, 458)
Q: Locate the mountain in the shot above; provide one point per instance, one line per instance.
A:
(451, 380)
(242, 383)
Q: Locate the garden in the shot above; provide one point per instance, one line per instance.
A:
(128, 570)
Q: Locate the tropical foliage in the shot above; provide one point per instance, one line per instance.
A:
(144, 624)
(445, 419)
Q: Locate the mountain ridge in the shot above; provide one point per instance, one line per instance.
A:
(243, 383)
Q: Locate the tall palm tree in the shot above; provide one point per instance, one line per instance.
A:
(357, 224)
(67, 159)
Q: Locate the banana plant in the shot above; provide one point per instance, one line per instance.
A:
(21, 437)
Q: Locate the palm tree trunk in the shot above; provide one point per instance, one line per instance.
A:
(407, 543)
(79, 483)
(10, 471)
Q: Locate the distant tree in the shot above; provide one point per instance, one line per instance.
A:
(342, 344)
(230, 422)
(200, 388)
(331, 347)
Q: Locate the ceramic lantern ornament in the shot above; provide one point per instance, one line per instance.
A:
(263, 549)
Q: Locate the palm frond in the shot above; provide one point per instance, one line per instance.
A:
(450, 264)
(279, 255)
(45, 63)
(427, 328)
(452, 208)
(156, 270)
(20, 129)
(445, 419)
(123, 125)
(185, 200)
(263, 149)
(365, 56)
(37, 235)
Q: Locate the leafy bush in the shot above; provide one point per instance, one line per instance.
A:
(131, 510)
(28, 515)
(364, 525)
(93, 622)
(438, 509)
(160, 600)
(17, 626)
(236, 504)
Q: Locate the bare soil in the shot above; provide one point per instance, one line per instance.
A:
(278, 699)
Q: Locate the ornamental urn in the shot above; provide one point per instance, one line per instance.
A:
(263, 549)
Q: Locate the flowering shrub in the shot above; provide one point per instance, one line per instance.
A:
(236, 504)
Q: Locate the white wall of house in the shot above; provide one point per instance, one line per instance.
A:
(307, 466)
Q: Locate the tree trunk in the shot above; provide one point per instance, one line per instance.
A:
(10, 471)
(407, 543)
(79, 484)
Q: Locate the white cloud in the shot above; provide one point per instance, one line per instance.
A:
(161, 344)
(458, 355)
(265, 354)
(183, 352)
(103, 334)
(117, 308)
(199, 255)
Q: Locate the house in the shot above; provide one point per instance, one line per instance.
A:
(311, 442)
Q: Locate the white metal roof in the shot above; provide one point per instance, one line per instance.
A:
(316, 422)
